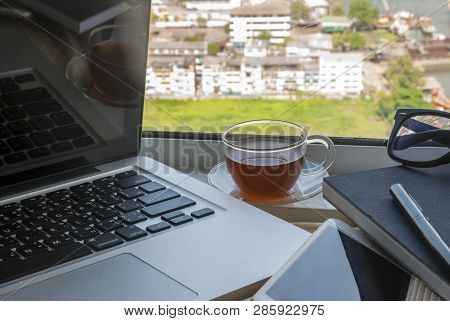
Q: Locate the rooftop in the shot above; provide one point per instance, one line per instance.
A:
(267, 8)
(201, 45)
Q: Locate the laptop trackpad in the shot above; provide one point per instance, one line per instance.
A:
(123, 277)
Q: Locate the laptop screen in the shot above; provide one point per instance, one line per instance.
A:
(72, 78)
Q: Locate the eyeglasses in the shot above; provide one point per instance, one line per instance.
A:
(420, 138)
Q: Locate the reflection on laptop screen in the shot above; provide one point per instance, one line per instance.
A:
(72, 78)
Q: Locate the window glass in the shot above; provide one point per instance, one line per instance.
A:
(338, 67)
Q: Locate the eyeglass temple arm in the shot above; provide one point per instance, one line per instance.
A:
(437, 135)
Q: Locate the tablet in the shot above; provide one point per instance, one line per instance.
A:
(337, 263)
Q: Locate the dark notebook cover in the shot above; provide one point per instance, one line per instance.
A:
(369, 191)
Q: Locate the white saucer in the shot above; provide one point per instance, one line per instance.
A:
(306, 186)
(77, 72)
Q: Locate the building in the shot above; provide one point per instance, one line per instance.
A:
(331, 24)
(212, 4)
(310, 45)
(171, 76)
(340, 74)
(256, 49)
(271, 17)
(178, 48)
(317, 8)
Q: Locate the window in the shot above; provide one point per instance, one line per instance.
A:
(348, 83)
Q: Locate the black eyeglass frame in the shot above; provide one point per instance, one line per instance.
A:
(400, 117)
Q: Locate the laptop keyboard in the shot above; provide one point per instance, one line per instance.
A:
(33, 124)
(47, 230)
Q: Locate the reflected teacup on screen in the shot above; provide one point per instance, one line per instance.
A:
(116, 59)
(266, 157)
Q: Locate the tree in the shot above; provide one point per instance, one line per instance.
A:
(299, 10)
(213, 49)
(352, 40)
(364, 13)
(405, 80)
(403, 74)
(336, 8)
(265, 35)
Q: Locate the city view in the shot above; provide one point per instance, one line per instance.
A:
(338, 67)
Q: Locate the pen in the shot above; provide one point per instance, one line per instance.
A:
(414, 212)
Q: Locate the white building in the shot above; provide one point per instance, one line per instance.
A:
(171, 76)
(317, 8)
(255, 49)
(341, 74)
(178, 48)
(212, 4)
(310, 45)
(250, 21)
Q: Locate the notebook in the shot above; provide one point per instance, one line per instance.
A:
(77, 16)
(364, 198)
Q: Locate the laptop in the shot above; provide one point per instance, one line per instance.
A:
(82, 215)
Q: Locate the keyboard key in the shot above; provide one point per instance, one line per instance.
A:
(8, 207)
(4, 149)
(132, 181)
(108, 200)
(13, 215)
(4, 133)
(83, 142)
(25, 78)
(78, 220)
(167, 217)
(8, 256)
(15, 158)
(81, 187)
(103, 241)
(84, 196)
(9, 88)
(20, 127)
(42, 138)
(31, 249)
(25, 96)
(41, 123)
(152, 187)
(57, 194)
(10, 229)
(104, 181)
(28, 236)
(84, 233)
(34, 209)
(180, 220)
(19, 143)
(108, 225)
(68, 132)
(105, 189)
(58, 240)
(132, 217)
(131, 193)
(131, 232)
(7, 242)
(168, 206)
(61, 147)
(14, 113)
(155, 228)
(4, 81)
(61, 214)
(62, 118)
(85, 207)
(106, 212)
(126, 174)
(42, 107)
(36, 221)
(65, 253)
(55, 228)
(128, 206)
(32, 200)
(202, 213)
(39, 152)
(158, 197)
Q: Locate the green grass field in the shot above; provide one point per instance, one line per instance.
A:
(345, 118)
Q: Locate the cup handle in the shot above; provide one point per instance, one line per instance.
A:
(330, 154)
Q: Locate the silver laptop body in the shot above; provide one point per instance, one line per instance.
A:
(224, 255)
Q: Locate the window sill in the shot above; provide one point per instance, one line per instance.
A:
(197, 157)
